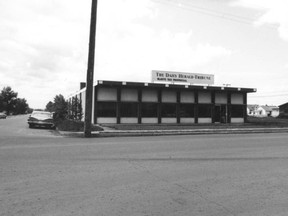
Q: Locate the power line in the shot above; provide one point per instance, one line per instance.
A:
(211, 12)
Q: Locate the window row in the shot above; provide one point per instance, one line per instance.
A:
(167, 96)
(109, 109)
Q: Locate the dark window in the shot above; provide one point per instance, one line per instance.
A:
(106, 109)
(186, 110)
(168, 110)
(149, 110)
(129, 110)
(237, 111)
(204, 111)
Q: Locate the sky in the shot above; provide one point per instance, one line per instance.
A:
(44, 44)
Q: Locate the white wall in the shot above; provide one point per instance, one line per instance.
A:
(83, 104)
(149, 120)
(106, 120)
(204, 120)
(126, 120)
(168, 120)
(187, 120)
(237, 120)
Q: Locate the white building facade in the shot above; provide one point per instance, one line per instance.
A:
(153, 103)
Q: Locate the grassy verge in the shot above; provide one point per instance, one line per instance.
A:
(251, 122)
(75, 126)
(268, 122)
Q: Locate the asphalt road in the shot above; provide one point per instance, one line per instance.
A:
(44, 174)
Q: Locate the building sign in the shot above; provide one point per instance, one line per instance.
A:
(176, 77)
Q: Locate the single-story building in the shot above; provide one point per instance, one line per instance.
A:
(266, 111)
(252, 109)
(161, 103)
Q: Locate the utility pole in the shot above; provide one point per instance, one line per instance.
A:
(90, 72)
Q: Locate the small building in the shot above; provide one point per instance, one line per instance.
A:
(159, 103)
(266, 111)
(252, 109)
(283, 110)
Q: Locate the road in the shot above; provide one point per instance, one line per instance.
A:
(44, 174)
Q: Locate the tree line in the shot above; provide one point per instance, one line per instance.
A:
(11, 104)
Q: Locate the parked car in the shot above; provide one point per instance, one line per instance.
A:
(41, 119)
(3, 115)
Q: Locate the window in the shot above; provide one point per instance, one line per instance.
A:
(106, 109)
(169, 96)
(204, 111)
(204, 97)
(107, 94)
(129, 110)
(168, 110)
(186, 110)
(237, 111)
(149, 110)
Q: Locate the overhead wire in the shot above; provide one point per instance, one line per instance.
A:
(204, 10)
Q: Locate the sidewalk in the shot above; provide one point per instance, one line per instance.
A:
(118, 133)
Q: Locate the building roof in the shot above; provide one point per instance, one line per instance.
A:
(269, 108)
(283, 105)
(173, 86)
(252, 106)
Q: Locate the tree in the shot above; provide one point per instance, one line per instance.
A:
(50, 107)
(8, 100)
(75, 109)
(21, 106)
(60, 107)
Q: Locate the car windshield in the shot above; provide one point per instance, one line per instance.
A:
(42, 115)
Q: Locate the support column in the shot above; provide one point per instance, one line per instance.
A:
(196, 107)
(139, 106)
(118, 105)
(229, 107)
(95, 104)
(178, 100)
(245, 106)
(213, 106)
(159, 105)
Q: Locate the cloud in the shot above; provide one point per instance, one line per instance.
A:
(44, 45)
(274, 12)
(137, 53)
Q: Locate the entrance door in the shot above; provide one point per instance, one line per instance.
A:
(220, 113)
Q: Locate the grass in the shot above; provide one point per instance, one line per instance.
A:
(268, 121)
(75, 126)
(251, 122)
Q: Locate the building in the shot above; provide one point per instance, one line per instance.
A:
(283, 109)
(266, 111)
(154, 103)
(252, 109)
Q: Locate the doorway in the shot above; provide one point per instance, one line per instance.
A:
(220, 113)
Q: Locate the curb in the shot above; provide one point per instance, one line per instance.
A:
(126, 133)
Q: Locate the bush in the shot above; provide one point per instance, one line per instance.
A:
(75, 126)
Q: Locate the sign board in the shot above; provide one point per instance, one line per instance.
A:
(178, 77)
